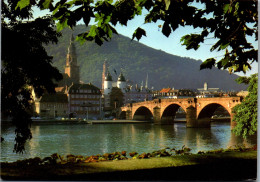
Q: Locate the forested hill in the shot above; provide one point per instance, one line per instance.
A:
(136, 61)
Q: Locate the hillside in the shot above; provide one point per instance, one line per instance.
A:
(138, 60)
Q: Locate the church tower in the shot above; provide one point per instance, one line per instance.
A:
(104, 73)
(205, 86)
(108, 84)
(121, 82)
(72, 68)
(146, 82)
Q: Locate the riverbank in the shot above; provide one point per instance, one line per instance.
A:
(116, 122)
(229, 165)
(77, 121)
(80, 121)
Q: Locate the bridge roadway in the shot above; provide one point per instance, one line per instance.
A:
(163, 111)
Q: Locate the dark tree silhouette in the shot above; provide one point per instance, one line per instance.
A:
(25, 66)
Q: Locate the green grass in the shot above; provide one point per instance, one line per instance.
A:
(219, 166)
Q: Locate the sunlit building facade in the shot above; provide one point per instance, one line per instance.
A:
(84, 101)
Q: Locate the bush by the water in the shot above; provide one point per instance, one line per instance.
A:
(55, 159)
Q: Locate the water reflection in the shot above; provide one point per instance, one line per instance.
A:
(82, 139)
(34, 143)
(236, 141)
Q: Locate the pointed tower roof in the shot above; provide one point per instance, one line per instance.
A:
(121, 77)
(71, 48)
(71, 55)
(108, 77)
(146, 82)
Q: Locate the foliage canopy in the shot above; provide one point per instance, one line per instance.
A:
(246, 112)
(229, 23)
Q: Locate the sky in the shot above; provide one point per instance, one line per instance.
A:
(172, 45)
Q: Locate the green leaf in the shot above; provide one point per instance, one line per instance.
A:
(22, 4)
(47, 4)
(208, 63)
(167, 4)
(224, 46)
(166, 30)
(224, 63)
(61, 25)
(81, 38)
(139, 32)
(148, 4)
(245, 68)
(92, 32)
(237, 6)
(225, 8)
(109, 32)
(86, 19)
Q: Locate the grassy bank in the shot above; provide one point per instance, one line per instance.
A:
(228, 165)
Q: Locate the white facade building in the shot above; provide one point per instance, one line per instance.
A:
(109, 84)
(121, 83)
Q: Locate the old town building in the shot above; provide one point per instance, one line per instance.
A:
(169, 93)
(51, 105)
(72, 98)
(84, 101)
(135, 94)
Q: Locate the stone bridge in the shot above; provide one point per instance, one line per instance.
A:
(163, 111)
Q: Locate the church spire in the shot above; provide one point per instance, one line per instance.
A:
(71, 55)
(104, 73)
(146, 82)
(72, 68)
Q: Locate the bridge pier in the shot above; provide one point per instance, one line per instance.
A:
(156, 115)
(193, 122)
(191, 117)
(129, 115)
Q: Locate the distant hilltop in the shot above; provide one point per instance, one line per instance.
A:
(136, 61)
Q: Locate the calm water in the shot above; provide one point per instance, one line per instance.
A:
(84, 139)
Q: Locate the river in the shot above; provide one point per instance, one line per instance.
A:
(86, 139)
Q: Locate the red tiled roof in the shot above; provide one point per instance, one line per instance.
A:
(59, 89)
(165, 90)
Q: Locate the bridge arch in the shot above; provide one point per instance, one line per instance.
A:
(169, 113)
(208, 111)
(143, 114)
